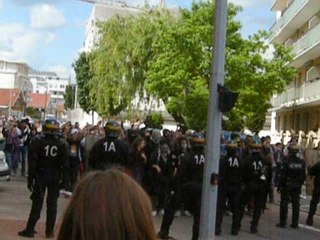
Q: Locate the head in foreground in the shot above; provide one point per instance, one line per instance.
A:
(108, 205)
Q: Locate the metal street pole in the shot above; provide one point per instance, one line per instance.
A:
(210, 187)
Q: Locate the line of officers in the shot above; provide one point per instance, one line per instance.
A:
(240, 179)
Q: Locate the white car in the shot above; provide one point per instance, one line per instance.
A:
(4, 168)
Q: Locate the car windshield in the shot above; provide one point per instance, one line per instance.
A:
(2, 144)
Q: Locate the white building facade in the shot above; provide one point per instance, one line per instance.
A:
(49, 83)
(103, 12)
(297, 110)
(14, 75)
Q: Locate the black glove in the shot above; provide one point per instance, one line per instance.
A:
(30, 184)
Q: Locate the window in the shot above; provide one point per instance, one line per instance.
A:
(313, 74)
(313, 22)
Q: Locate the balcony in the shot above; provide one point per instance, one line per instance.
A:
(278, 5)
(307, 48)
(307, 94)
(297, 14)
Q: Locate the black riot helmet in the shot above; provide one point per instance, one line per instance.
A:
(293, 147)
(50, 127)
(112, 129)
(256, 144)
(197, 140)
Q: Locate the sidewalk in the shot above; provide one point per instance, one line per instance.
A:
(15, 206)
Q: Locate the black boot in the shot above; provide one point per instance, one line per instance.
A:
(218, 231)
(281, 225)
(49, 235)
(253, 229)
(26, 233)
(309, 221)
(234, 231)
(162, 235)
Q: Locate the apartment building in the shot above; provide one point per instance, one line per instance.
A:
(297, 110)
(15, 85)
(103, 12)
(49, 83)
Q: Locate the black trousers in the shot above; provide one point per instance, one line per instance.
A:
(37, 198)
(189, 195)
(232, 194)
(172, 205)
(287, 195)
(315, 200)
(257, 191)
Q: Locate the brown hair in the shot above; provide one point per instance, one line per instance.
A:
(108, 205)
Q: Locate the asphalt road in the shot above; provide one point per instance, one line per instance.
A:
(15, 206)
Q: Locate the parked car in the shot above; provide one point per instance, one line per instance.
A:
(4, 168)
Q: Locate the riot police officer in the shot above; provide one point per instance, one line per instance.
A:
(109, 151)
(292, 176)
(48, 158)
(256, 175)
(230, 173)
(314, 171)
(190, 175)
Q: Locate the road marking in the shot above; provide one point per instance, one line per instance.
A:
(309, 227)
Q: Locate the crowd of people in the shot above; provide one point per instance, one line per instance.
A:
(166, 165)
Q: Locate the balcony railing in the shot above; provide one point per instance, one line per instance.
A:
(289, 13)
(309, 92)
(307, 41)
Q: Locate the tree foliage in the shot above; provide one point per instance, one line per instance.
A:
(69, 96)
(154, 120)
(84, 78)
(169, 57)
(180, 71)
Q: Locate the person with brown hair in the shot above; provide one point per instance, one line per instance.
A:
(108, 205)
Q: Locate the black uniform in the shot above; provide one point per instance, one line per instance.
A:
(174, 199)
(314, 171)
(188, 191)
(160, 181)
(256, 175)
(108, 152)
(48, 157)
(292, 176)
(191, 173)
(229, 189)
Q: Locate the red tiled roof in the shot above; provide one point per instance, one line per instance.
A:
(39, 100)
(9, 96)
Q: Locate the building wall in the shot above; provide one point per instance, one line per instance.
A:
(15, 75)
(101, 12)
(297, 111)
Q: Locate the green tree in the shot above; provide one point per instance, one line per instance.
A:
(69, 96)
(33, 113)
(180, 73)
(121, 59)
(154, 120)
(169, 57)
(84, 82)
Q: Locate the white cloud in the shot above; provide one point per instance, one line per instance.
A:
(60, 70)
(45, 16)
(33, 2)
(252, 3)
(20, 44)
